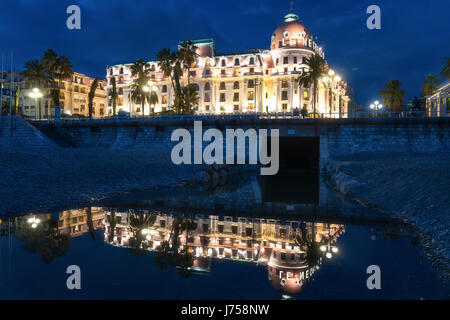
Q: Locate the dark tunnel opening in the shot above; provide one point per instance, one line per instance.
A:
(297, 180)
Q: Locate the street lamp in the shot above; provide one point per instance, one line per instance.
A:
(34, 222)
(36, 94)
(330, 80)
(376, 106)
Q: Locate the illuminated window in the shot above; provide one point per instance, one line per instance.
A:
(164, 99)
(284, 106)
(250, 95)
(305, 95)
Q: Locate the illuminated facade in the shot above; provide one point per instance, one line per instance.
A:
(253, 81)
(267, 242)
(73, 97)
(438, 104)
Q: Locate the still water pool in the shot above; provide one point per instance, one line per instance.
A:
(123, 254)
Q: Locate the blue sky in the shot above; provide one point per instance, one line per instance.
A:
(413, 41)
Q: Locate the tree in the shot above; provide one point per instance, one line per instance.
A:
(114, 95)
(140, 71)
(91, 96)
(313, 73)
(35, 74)
(165, 62)
(187, 56)
(393, 96)
(189, 98)
(430, 84)
(57, 69)
(445, 72)
(153, 98)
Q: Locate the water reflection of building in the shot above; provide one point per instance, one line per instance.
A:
(50, 235)
(270, 242)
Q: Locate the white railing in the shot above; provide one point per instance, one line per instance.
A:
(270, 115)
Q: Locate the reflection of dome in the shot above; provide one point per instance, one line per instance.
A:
(290, 33)
(288, 271)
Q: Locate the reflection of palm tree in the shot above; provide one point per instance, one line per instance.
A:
(309, 245)
(168, 252)
(90, 223)
(112, 227)
(45, 239)
(137, 223)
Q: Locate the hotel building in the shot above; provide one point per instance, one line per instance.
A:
(438, 104)
(73, 97)
(252, 81)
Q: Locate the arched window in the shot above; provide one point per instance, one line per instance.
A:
(236, 62)
(164, 89)
(252, 60)
(207, 86)
(222, 86)
(236, 85)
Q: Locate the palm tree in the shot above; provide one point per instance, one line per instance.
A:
(140, 71)
(153, 98)
(430, 84)
(91, 96)
(138, 94)
(393, 96)
(114, 95)
(190, 98)
(187, 56)
(34, 72)
(311, 76)
(165, 62)
(445, 72)
(57, 68)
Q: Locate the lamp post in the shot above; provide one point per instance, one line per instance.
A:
(328, 248)
(376, 106)
(33, 222)
(330, 80)
(36, 94)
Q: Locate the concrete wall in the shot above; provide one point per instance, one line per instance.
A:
(337, 137)
(16, 132)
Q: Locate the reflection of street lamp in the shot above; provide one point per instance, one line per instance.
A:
(376, 106)
(34, 222)
(36, 94)
(330, 80)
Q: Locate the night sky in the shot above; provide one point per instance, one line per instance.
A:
(413, 41)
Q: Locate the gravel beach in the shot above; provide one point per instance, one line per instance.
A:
(414, 187)
(49, 179)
